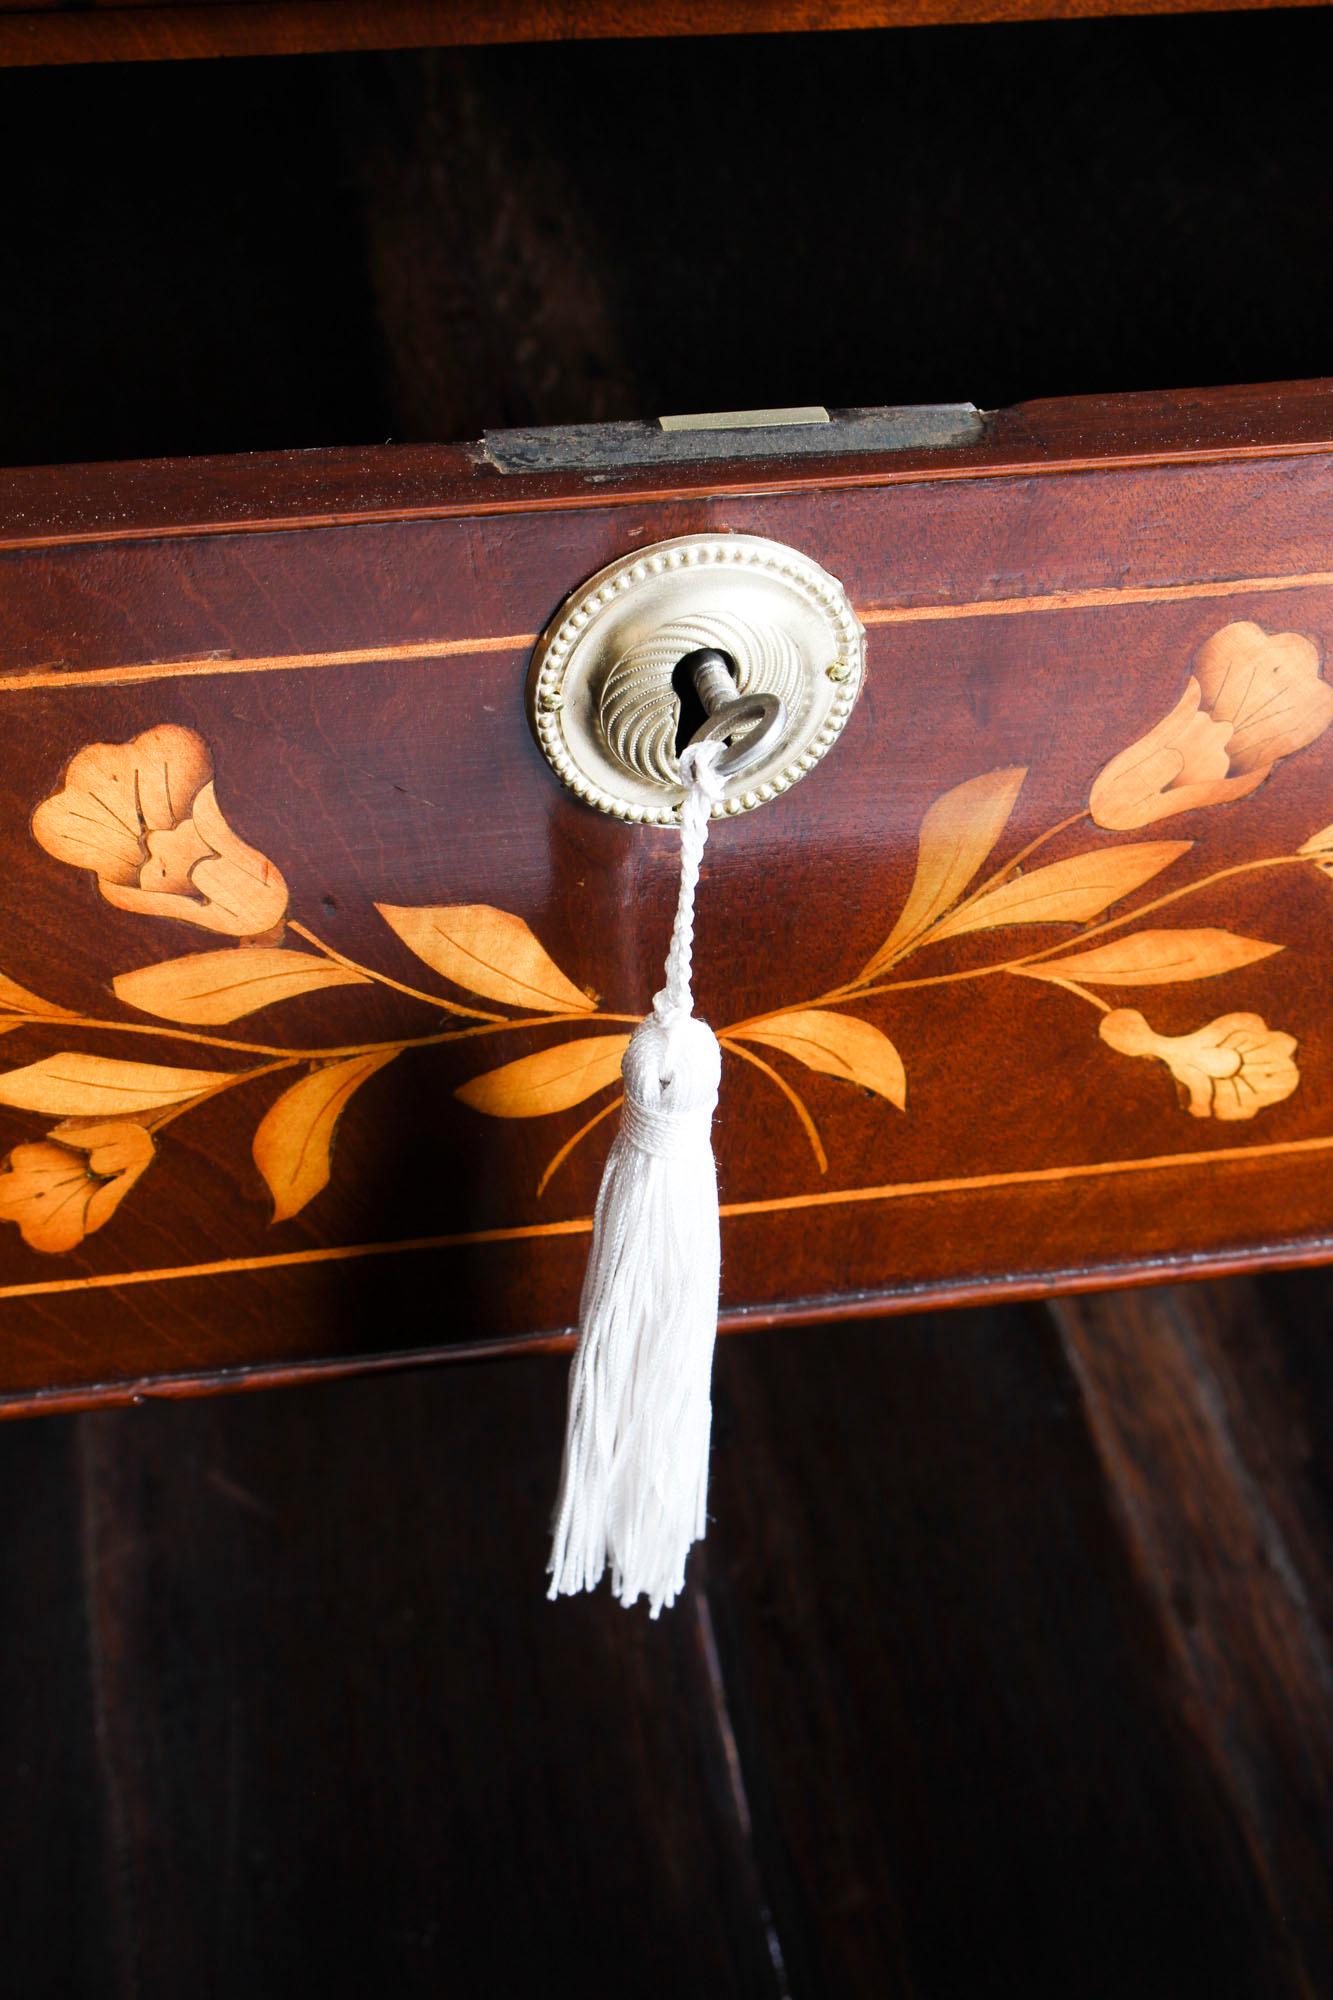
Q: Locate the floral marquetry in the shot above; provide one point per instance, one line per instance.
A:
(1231, 1068)
(315, 980)
(64, 1187)
(143, 817)
(1254, 697)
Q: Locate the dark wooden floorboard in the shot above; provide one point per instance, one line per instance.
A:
(972, 1763)
(55, 1923)
(1209, 1405)
(1004, 1669)
(351, 1747)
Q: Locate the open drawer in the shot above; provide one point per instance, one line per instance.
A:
(1030, 976)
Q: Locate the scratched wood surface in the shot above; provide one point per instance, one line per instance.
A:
(318, 980)
(1005, 1666)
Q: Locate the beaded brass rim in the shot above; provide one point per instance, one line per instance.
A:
(600, 699)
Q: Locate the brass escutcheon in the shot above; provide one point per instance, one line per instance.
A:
(600, 696)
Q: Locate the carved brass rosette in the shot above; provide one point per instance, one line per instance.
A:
(600, 694)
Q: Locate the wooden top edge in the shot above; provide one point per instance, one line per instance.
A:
(264, 492)
(36, 32)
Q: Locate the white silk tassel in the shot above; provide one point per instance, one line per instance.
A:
(635, 1478)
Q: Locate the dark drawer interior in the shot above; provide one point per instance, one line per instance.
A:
(338, 250)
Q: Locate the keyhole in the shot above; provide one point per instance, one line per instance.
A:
(693, 714)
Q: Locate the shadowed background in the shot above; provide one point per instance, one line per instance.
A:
(237, 255)
(1006, 1665)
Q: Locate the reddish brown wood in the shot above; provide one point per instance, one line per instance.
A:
(169, 497)
(357, 676)
(817, 1312)
(45, 31)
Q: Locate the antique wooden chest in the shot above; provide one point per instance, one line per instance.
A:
(316, 978)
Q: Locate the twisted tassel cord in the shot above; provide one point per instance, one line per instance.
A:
(698, 767)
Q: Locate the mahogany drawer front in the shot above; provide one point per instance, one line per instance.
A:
(310, 675)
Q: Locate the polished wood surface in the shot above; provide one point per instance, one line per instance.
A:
(1004, 1667)
(157, 498)
(1056, 1023)
(50, 31)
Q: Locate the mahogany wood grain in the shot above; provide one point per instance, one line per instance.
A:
(158, 498)
(340, 655)
(155, 30)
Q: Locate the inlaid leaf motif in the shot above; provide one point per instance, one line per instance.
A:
(1157, 958)
(17, 999)
(957, 834)
(551, 1080)
(836, 1045)
(71, 1085)
(293, 1144)
(1067, 892)
(1319, 847)
(487, 951)
(143, 817)
(209, 987)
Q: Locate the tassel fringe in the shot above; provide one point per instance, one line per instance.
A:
(634, 1485)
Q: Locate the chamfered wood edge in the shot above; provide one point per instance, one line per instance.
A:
(810, 1312)
(113, 33)
(47, 506)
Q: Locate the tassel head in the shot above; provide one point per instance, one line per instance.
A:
(672, 1071)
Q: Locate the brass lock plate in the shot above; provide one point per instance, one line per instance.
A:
(600, 695)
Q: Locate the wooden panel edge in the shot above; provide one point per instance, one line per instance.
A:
(813, 1312)
(47, 506)
(232, 28)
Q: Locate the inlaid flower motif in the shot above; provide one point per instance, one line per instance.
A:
(144, 817)
(1254, 697)
(61, 1188)
(1233, 1068)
